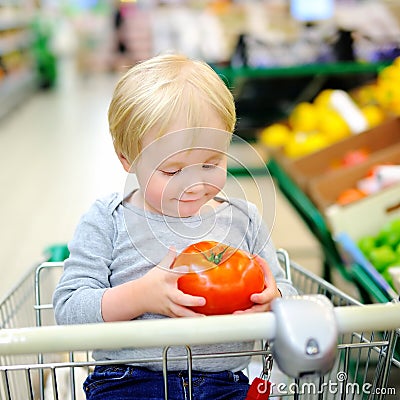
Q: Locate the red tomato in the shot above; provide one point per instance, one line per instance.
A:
(354, 157)
(223, 275)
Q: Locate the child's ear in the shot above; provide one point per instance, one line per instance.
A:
(125, 163)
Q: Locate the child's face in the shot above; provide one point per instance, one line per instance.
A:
(182, 171)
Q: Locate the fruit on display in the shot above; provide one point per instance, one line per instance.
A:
(383, 249)
(304, 117)
(373, 114)
(225, 276)
(301, 144)
(390, 235)
(381, 98)
(383, 256)
(275, 135)
(323, 99)
(376, 179)
(350, 195)
(312, 126)
(388, 88)
(344, 105)
(333, 126)
(350, 158)
(354, 157)
(335, 114)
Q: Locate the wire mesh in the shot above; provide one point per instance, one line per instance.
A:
(361, 372)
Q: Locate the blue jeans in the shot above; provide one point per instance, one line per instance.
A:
(122, 382)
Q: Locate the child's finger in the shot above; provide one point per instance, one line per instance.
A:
(261, 298)
(272, 287)
(180, 311)
(267, 271)
(188, 300)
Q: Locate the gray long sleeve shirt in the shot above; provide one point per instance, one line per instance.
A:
(115, 242)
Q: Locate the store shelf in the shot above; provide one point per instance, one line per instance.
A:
(21, 22)
(15, 89)
(266, 95)
(17, 67)
(232, 75)
(17, 41)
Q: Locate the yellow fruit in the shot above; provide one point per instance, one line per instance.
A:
(365, 95)
(275, 135)
(396, 62)
(333, 126)
(391, 73)
(294, 147)
(388, 94)
(301, 144)
(395, 108)
(373, 114)
(315, 142)
(323, 98)
(304, 117)
(383, 94)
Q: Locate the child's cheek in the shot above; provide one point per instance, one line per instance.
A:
(219, 181)
(154, 192)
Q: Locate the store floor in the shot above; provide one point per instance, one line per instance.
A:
(57, 157)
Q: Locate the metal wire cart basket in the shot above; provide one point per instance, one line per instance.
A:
(42, 361)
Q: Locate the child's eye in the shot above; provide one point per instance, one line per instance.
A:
(209, 166)
(171, 173)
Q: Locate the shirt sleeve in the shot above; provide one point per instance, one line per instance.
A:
(77, 298)
(264, 247)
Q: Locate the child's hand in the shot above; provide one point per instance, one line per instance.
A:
(263, 300)
(162, 295)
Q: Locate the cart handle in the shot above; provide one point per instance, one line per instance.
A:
(181, 331)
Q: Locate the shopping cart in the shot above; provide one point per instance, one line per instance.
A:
(40, 360)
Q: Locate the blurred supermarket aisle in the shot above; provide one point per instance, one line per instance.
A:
(56, 154)
(57, 157)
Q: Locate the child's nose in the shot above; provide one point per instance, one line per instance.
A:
(196, 187)
(192, 179)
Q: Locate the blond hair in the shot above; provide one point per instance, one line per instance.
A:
(155, 92)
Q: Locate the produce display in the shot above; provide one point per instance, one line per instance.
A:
(339, 149)
(350, 158)
(332, 116)
(349, 196)
(225, 276)
(17, 56)
(384, 93)
(383, 249)
(377, 178)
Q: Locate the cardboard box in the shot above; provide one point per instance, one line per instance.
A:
(365, 216)
(305, 169)
(325, 190)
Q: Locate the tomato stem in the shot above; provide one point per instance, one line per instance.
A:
(214, 257)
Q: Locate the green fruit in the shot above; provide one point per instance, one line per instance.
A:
(395, 263)
(381, 257)
(389, 234)
(395, 225)
(391, 238)
(366, 244)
